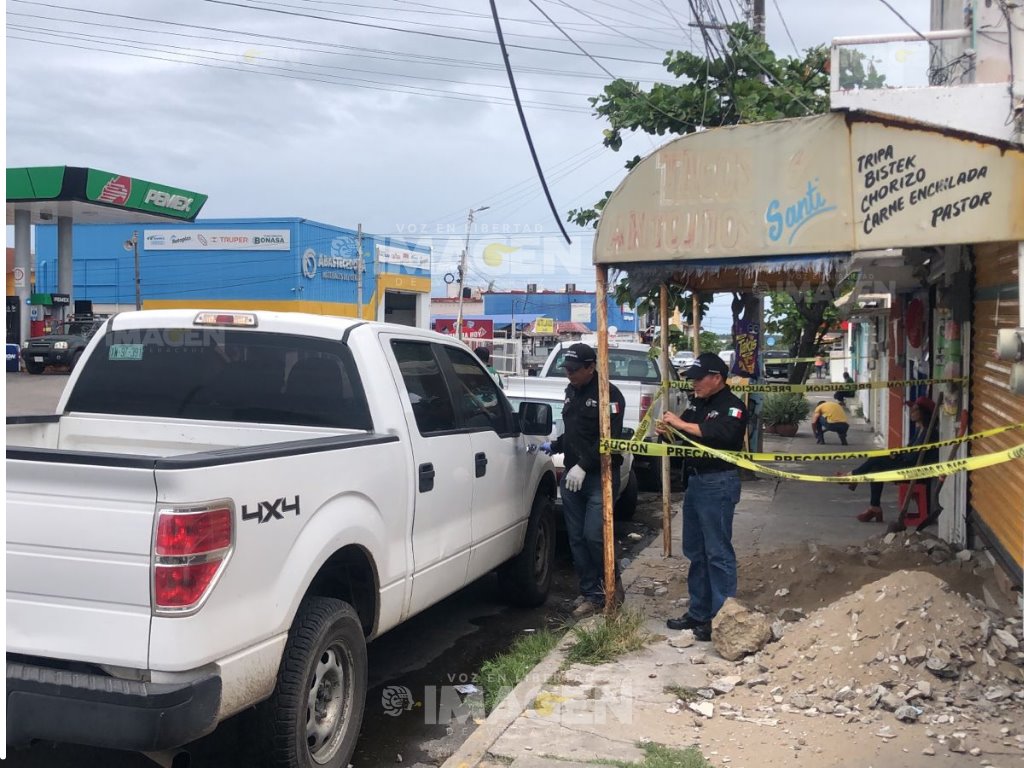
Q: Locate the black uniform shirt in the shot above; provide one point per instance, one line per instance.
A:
(581, 417)
(723, 421)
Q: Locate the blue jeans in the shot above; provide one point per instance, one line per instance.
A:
(707, 540)
(584, 524)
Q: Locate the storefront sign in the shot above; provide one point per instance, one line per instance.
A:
(387, 254)
(327, 267)
(216, 239)
(544, 325)
(477, 330)
(140, 195)
(60, 299)
(923, 188)
(827, 184)
(579, 313)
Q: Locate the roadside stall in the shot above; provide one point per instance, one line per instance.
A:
(782, 206)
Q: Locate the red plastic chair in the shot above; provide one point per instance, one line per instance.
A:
(920, 492)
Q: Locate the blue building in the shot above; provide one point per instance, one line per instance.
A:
(286, 264)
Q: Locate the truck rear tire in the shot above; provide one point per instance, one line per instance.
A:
(312, 719)
(526, 579)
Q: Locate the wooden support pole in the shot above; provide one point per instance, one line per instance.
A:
(696, 324)
(666, 465)
(605, 427)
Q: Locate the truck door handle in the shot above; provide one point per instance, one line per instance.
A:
(426, 477)
(481, 464)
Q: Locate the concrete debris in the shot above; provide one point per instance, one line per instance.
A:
(684, 639)
(1007, 639)
(703, 708)
(964, 555)
(699, 658)
(724, 685)
(737, 631)
(907, 713)
(781, 592)
(778, 629)
(792, 614)
(998, 693)
(930, 751)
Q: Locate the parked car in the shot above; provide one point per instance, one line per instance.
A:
(682, 360)
(637, 375)
(64, 346)
(227, 506)
(774, 368)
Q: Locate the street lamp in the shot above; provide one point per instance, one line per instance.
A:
(462, 268)
(132, 244)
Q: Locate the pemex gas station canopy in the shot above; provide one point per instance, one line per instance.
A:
(90, 196)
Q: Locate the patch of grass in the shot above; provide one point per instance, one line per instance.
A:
(607, 639)
(681, 692)
(501, 674)
(659, 756)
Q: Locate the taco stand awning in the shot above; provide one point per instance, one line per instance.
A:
(790, 196)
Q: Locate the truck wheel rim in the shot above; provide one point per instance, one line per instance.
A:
(328, 703)
(540, 555)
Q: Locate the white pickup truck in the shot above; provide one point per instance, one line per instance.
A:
(633, 371)
(228, 505)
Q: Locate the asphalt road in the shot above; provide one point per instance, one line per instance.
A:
(444, 645)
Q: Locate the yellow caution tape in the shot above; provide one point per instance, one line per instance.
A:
(893, 475)
(645, 423)
(825, 387)
(665, 449)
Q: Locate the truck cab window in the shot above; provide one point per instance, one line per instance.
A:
(426, 387)
(479, 400)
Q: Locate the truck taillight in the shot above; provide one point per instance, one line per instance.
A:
(646, 401)
(192, 544)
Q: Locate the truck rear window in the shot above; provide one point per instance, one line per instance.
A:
(623, 365)
(223, 375)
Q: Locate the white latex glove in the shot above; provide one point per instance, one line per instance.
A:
(574, 478)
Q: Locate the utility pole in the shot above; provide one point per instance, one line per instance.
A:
(462, 269)
(359, 271)
(757, 20)
(132, 244)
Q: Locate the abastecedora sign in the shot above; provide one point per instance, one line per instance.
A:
(810, 186)
(140, 195)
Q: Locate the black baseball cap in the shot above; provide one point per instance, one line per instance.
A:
(706, 363)
(578, 355)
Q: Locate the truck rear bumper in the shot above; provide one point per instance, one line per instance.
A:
(59, 705)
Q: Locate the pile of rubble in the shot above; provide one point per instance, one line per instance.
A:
(903, 647)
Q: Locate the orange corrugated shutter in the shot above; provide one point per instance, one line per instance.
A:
(997, 493)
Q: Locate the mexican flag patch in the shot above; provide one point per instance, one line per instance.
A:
(615, 407)
(736, 413)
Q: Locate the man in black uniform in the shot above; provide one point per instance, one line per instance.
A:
(718, 419)
(581, 478)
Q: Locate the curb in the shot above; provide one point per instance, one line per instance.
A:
(508, 711)
(473, 749)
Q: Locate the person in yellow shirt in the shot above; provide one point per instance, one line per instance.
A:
(829, 416)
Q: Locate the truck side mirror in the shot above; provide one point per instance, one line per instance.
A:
(535, 419)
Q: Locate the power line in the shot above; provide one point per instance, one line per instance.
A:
(333, 49)
(298, 75)
(289, 6)
(438, 35)
(100, 39)
(522, 120)
(785, 26)
(902, 18)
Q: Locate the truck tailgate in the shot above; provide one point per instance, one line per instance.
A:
(78, 560)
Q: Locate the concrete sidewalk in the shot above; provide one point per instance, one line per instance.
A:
(563, 715)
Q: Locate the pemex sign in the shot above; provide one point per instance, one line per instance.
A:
(140, 195)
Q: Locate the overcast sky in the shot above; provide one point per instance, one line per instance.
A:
(273, 113)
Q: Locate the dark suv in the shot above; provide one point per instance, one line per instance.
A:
(63, 347)
(774, 367)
